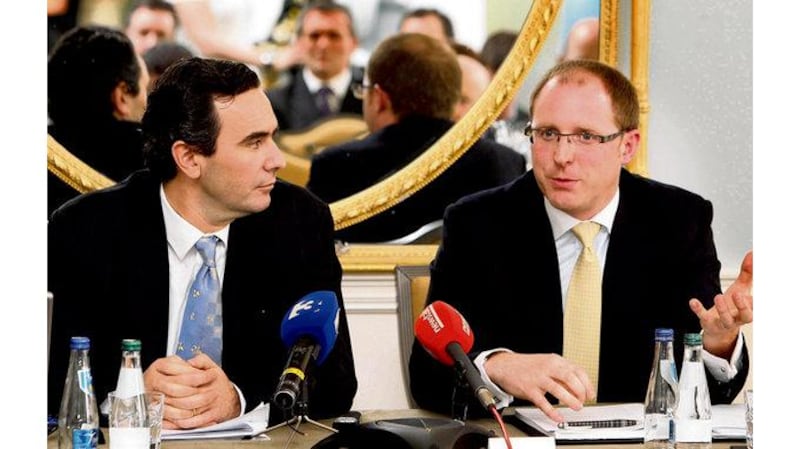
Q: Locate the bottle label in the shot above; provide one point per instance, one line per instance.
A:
(669, 372)
(692, 430)
(84, 438)
(129, 437)
(130, 383)
(85, 381)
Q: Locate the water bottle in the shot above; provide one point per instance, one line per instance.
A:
(128, 423)
(662, 391)
(78, 420)
(693, 409)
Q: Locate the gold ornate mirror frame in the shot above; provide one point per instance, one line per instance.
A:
(509, 78)
(421, 171)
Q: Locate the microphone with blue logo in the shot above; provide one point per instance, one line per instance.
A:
(309, 329)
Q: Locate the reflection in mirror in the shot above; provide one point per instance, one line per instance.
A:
(533, 44)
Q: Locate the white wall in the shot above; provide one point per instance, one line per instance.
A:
(701, 98)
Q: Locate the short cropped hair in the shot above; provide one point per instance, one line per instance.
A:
(624, 99)
(181, 107)
(447, 24)
(420, 74)
(156, 5)
(86, 65)
(496, 48)
(327, 7)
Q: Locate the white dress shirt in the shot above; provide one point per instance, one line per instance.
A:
(339, 84)
(184, 263)
(568, 248)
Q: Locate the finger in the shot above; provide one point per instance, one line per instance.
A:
(202, 400)
(167, 424)
(172, 365)
(726, 314)
(588, 386)
(201, 419)
(202, 361)
(538, 399)
(697, 307)
(176, 414)
(744, 304)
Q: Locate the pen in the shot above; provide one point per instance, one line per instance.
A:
(601, 424)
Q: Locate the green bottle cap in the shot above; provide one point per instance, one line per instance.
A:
(693, 339)
(130, 344)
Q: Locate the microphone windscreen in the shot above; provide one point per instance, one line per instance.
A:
(439, 325)
(315, 315)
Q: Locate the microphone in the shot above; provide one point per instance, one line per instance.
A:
(447, 337)
(309, 329)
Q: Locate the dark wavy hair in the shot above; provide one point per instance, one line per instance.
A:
(181, 107)
(85, 66)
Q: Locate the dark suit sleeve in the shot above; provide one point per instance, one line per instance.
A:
(433, 384)
(335, 381)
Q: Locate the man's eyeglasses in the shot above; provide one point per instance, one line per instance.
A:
(551, 135)
(358, 89)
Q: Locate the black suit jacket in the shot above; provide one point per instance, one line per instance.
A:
(340, 171)
(109, 273)
(295, 107)
(498, 266)
(113, 147)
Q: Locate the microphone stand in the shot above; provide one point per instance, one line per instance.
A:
(302, 415)
(460, 397)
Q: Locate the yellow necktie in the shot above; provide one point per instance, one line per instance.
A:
(584, 307)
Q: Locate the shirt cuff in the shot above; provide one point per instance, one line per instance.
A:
(242, 402)
(725, 370)
(503, 399)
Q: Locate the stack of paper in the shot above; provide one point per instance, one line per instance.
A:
(249, 424)
(727, 422)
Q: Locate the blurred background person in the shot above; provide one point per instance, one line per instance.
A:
(475, 78)
(409, 94)
(160, 57)
(149, 22)
(97, 95)
(321, 86)
(429, 21)
(62, 16)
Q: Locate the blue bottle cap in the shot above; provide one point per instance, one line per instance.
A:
(664, 334)
(79, 343)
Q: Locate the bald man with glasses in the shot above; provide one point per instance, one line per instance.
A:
(653, 247)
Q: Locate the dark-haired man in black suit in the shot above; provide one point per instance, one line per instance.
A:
(412, 86)
(121, 260)
(508, 255)
(320, 86)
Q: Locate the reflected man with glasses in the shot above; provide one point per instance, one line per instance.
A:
(657, 261)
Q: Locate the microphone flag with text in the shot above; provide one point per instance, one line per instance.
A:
(447, 337)
(309, 330)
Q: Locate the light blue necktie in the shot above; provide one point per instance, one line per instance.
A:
(201, 328)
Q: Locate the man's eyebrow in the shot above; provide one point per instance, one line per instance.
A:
(252, 137)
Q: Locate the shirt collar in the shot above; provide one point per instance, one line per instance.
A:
(561, 222)
(182, 235)
(338, 84)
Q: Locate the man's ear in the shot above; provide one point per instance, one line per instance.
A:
(121, 101)
(186, 159)
(630, 143)
(383, 99)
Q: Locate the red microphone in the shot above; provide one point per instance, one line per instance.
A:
(447, 337)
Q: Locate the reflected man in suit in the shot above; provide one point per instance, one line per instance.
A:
(121, 260)
(96, 96)
(656, 251)
(321, 86)
(411, 89)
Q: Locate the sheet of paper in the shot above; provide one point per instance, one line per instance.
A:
(727, 422)
(248, 424)
(539, 420)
